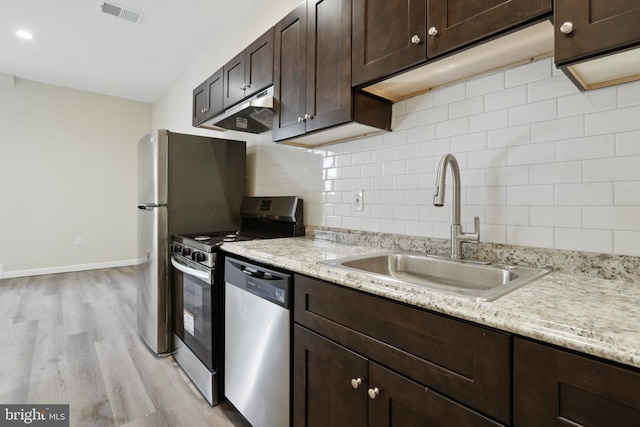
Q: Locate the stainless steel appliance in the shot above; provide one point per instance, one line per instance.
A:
(257, 337)
(199, 290)
(186, 183)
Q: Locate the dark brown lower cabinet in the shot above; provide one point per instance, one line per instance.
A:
(554, 387)
(428, 369)
(334, 386)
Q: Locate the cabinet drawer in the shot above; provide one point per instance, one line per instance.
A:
(469, 363)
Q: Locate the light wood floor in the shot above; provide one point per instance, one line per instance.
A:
(71, 338)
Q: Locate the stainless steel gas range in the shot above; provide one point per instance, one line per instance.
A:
(199, 286)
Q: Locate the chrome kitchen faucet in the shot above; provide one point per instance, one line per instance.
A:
(457, 235)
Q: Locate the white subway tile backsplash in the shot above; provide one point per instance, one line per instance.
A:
(612, 217)
(531, 195)
(550, 88)
(628, 144)
(531, 154)
(507, 215)
(556, 173)
(449, 128)
(556, 216)
(532, 72)
(593, 147)
(587, 102)
(541, 164)
(579, 239)
(584, 194)
(612, 169)
(487, 121)
(506, 98)
(448, 94)
(626, 243)
(628, 94)
(553, 130)
(485, 85)
(626, 193)
(532, 113)
(612, 121)
(512, 175)
(541, 237)
(466, 107)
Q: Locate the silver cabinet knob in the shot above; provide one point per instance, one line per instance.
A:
(300, 119)
(566, 28)
(373, 392)
(356, 382)
(308, 116)
(433, 31)
(416, 39)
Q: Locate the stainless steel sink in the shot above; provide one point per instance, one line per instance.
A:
(477, 280)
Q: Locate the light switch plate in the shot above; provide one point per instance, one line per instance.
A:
(358, 200)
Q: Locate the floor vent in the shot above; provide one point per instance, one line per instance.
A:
(120, 12)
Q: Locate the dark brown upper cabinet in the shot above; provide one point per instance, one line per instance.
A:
(312, 75)
(388, 36)
(554, 387)
(452, 24)
(587, 32)
(392, 36)
(250, 71)
(207, 99)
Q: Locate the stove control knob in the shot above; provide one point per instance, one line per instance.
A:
(175, 248)
(186, 251)
(197, 256)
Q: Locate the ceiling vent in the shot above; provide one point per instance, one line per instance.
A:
(120, 12)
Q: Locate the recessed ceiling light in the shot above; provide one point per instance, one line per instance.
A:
(24, 34)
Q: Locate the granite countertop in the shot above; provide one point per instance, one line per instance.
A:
(587, 314)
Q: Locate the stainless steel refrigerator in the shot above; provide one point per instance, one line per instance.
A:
(186, 184)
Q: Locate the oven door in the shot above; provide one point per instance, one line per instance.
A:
(193, 311)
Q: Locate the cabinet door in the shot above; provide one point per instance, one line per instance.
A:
(382, 37)
(289, 86)
(234, 80)
(208, 98)
(598, 26)
(461, 22)
(322, 391)
(328, 90)
(400, 402)
(199, 103)
(557, 388)
(258, 69)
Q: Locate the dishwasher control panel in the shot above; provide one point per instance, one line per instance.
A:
(271, 285)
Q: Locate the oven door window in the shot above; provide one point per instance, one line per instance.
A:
(194, 315)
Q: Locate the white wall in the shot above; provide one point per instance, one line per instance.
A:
(542, 165)
(67, 170)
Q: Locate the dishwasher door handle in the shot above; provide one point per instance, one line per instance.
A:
(256, 273)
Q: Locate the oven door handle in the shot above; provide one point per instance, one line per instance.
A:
(190, 271)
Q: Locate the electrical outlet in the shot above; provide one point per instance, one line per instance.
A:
(78, 241)
(358, 201)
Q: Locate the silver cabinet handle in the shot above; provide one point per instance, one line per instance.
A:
(566, 28)
(373, 392)
(416, 39)
(356, 382)
(433, 31)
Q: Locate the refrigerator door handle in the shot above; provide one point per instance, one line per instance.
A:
(190, 271)
(150, 206)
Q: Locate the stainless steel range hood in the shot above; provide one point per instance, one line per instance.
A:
(253, 115)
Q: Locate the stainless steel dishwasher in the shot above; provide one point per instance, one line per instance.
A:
(257, 342)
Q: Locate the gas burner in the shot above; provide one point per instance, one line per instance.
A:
(201, 238)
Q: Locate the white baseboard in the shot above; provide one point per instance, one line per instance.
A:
(67, 268)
